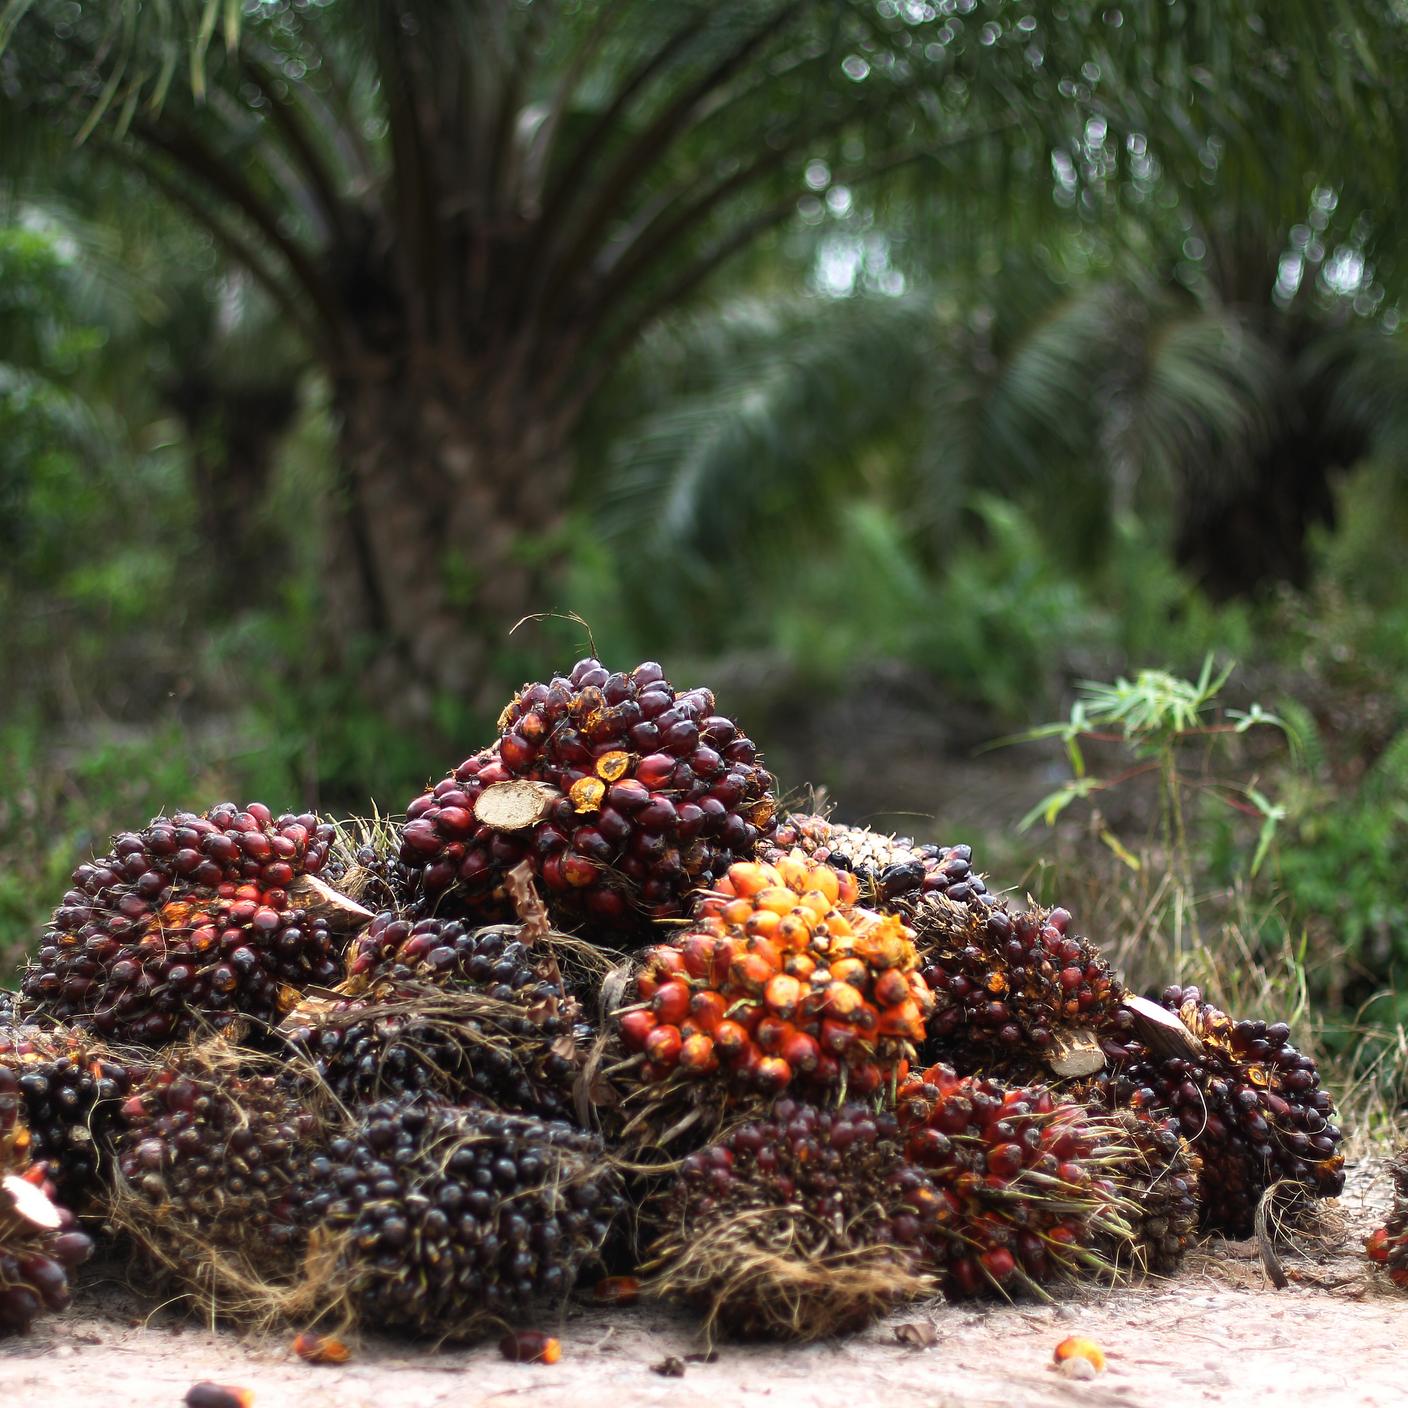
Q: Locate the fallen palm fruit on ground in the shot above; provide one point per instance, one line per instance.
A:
(610, 1008)
(1388, 1245)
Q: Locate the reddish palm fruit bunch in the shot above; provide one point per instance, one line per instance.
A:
(71, 1088)
(893, 871)
(781, 978)
(211, 1161)
(195, 919)
(454, 1217)
(40, 1244)
(1025, 1176)
(1250, 1105)
(653, 794)
(1009, 984)
(443, 1007)
(1388, 1245)
(806, 1223)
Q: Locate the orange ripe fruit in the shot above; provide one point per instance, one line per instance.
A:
(794, 932)
(697, 1054)
(891, 987)
(698, 953)
(794, 870)
(730, 1038)
(771, 1033)
(737, 912)
(772, 1074)
(842, 1000)
(662, 1046)
(747, 877)
(1376, 1245)
(817, 903)
(849, 970)
(1078, 1347)
(671, 1001)
(750, 971)
(782, 994)
(530, 1347)
(902, 1020)
(777, 898)
(763, 924)
(824, 878)
(706, 1010)
(800, 965)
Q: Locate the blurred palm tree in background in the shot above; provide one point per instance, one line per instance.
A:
(488, 223)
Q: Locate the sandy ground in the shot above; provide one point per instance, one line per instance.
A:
(1219, 1334)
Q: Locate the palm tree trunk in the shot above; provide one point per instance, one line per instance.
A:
(436, 551)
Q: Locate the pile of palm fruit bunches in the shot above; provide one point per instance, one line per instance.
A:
(599, 1011)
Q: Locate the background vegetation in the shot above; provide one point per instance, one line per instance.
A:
(893, 366)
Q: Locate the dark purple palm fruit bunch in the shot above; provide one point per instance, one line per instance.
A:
(805, 1223)
(40, 1244)
(1247, 1101)
(439, 1006)
(1012, 988)
(456, 1217)
(72, 1088)
(894, 872)
(193, 920)
(640, 795)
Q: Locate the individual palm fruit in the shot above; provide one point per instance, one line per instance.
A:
(803, 1224)
(192, 921)
(1246, 1100)
(72, 1088)
(439, 1006)
(40, 1244)
(637, 796)
(781, 980)
(1388, 1245)
(453, 1218)
(1026, 1178)
(1010, 985)
(894, 872)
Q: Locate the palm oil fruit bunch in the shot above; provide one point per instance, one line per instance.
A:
(72, 1088)
(1388, 1245)
(450, 1218)
(194, 920)
(1024, 1175)
(439, 1006)
(805, 1223)
(1159, 1177)
(894, 872)
(638, 795)
(781, 981)
(40, 1244)
(216, 1172)
(1008, 986)
(1250, 1105)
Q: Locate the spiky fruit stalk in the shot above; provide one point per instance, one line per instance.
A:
(1388, 1245)
(454, 1219)
(804, 1224)
(894, 872)
(1247, 1101)
(437, 1006)
(1026, 1178)
(40, 1244)
(71, 1087)
(781, 981)
(645, 794)
(193, 921)
(1009, 985)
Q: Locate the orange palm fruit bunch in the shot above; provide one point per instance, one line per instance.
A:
(782, 980)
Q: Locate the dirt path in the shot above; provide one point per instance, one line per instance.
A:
(1219, 1334)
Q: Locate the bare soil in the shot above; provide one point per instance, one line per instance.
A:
(1220, 1333)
